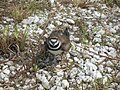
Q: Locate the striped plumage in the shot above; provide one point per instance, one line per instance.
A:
(58, 42)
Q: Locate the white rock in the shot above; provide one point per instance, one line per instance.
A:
(102, 31)
(27, 81)
(12, 68)
(40, 87)
(2, 27)
(91, 66)
(118, 87)
(76, 59)
(58, 81)
(72, 37)
(45, 82)
(116, 27)
(86, 78)
(65, 84)
(93, 60)
(6, 79)
(38, 76)
(8, 19)
(59, 88)
(78, 48)
(97, 14)
(17, 85)
(73, 72)
(40, 31)
(60, 73)
(4, 22)
(5, 66)
(76, 39)
(53, 88)
(1, 88)
(105, 79)
(89, 17)
(110, 63)
(70, 21)
(112, 52)
(25, 87)
(6, 71)
(68, 55)
(27, 21)
(59, 23)
(70, 60)
(8, 88)
(51, 26)
(58, 66)
(24, 26)
(109, 69)
(96, 56)
(96, 74)
(52, 2)
(98, 35)
(36, 19)
(79, 80)
(113, 40)
(103, 54)
(112, 30)
(91, 50)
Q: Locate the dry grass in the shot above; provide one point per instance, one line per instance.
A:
(21, 9)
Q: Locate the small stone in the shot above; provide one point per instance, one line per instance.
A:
(65, 84)
(105, 79)
(1, 88)
(45, 82)
(73, 72)
(70, 61)
(73, 53)
(70, 21)
(96, 74)
(51, 26)
(27, 81)
(77, 39)
(59, 23)
(40, 87)
(59, 88)
(112, 30)
(60, 73)
(52, 2)
(109, 69)
(97, 14)
(118, 87)
(87, 78)
(26, 21)
(12, 68)
(112, 52)
(36, 19)
(53, 88)
(25, 87)
(6, 71)
(58, 66)
(76, 59)
(58, 81)
(40, 31)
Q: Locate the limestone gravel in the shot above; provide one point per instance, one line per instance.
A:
(93, 34)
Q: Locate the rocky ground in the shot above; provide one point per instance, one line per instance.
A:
(93, 60)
